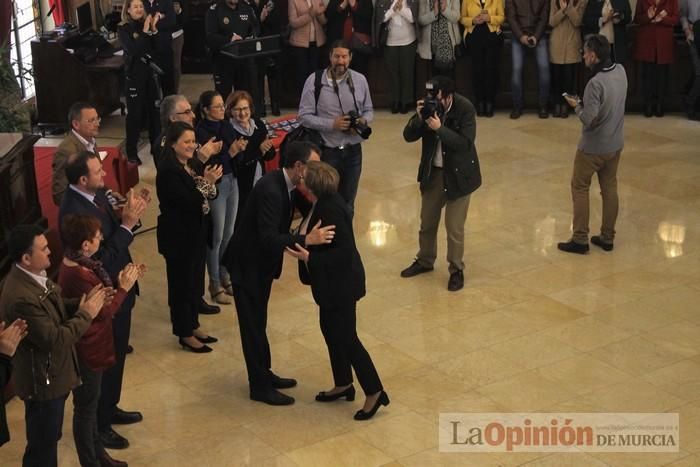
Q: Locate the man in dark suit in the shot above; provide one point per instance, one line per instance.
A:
(254, 259)
(85, 195)
(45, 363)
(85, 125)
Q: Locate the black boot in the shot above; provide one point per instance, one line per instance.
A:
(481, 109)
(488, 111)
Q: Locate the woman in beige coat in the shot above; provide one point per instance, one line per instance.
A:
(307, 37)
(565, 18)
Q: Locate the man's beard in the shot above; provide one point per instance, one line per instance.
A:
(339, 70)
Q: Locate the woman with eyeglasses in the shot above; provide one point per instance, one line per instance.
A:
(212, 123)
(186, 189)
(137, 36)
(249, 162)
(77, 275)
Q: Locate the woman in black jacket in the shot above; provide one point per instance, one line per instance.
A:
(137, 37)
(337, 280)
(609, 18)
(351, 20)
(249, 162)
(184, 188)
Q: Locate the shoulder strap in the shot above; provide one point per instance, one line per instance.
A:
(317, 88)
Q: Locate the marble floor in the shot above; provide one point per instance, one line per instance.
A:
(534, 329)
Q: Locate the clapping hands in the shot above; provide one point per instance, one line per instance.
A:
(11, 336)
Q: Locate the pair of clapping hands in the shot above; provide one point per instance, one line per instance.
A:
(99, 296)
(150, 23)
(133, 205)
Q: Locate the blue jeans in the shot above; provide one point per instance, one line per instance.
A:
(516, 84)
(348, 163)
(223, 217)
(44, 420)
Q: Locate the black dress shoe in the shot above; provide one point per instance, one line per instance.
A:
(394, 107)
(271, 397)
(113, 440)
(106, 460)
(202, 349)
(122, 417)
(415, 269)
(648, 110)
(573, 247)
(348, 393)
(382, 400)
(480, 109)
(207, 309)
(129, 349)
(597, 241)
(456, 281)
(516, 113)
(543, 112)
(488, 110)
(659, 111)
(282, 383)
(207, 340)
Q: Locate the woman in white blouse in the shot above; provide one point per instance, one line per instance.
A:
(396, 31)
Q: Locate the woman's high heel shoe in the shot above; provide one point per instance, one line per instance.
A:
(383, 399)
(348, 393)
(207, 340)
(186, 346)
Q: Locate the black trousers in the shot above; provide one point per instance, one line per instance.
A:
(85, 432)
(270, 67)
(112, 378)
(44, 420)
(251, 307)
(142, 106)
(563, 76)
(307, 62)
(185, 288)
(485, 50)
(654, 83)
(338, 325)
(235, 75)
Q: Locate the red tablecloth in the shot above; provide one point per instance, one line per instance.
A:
(280, 133)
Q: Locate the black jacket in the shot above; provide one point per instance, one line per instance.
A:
(254, 254)
(138, 46)
(593, 12)
(181, 221)
(221, 22)
(336, 271)
(361, 18)
(458, 135)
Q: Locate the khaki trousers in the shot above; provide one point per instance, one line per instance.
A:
(433, 199)
(585, 165)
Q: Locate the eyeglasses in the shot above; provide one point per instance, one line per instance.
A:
(185, 112)
(240, 109)
(94, 120)
(217, 107)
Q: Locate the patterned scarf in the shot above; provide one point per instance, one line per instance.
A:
(89, 263)
(441, 45)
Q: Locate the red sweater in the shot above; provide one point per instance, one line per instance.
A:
(96, 347)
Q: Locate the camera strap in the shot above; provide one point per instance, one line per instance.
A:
(336, 89)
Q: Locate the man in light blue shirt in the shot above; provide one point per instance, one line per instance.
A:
(341, 115)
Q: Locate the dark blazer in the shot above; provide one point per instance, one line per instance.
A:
(361, 18)
(114, 249)
(457, 135)
(593, 12)
(254, 254)
(336, 271)
(70, 146)
(527, 17)
(45, 364)
(181, 220)
(137, 45)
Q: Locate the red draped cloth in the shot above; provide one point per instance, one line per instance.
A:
(59, 12)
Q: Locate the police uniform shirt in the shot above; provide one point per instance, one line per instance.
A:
(222, 22)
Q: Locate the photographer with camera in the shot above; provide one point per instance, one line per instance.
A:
(448, 173)
(341, 113)
(138, 36)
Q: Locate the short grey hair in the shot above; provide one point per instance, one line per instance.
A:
(167, 108)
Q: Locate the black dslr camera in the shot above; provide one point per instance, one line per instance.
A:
(362, 129)
(431, 103)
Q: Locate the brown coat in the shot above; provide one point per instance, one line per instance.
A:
(565, 38)
(70, 146)
(300, 23)
(45, 364)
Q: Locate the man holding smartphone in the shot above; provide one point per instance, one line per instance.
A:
(528, 20)
(602, 113)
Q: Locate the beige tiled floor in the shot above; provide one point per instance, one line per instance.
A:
(533, 330)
